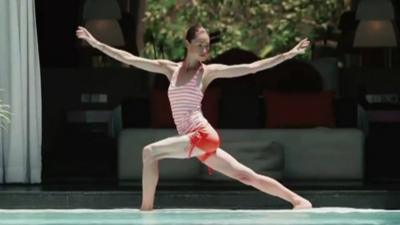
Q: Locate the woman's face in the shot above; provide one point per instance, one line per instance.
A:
(200, 45)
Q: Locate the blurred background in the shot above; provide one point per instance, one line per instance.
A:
(349, 77)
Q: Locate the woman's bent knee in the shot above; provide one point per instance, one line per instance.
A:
(147, 154)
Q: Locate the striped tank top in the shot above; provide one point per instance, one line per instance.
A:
(185, 101)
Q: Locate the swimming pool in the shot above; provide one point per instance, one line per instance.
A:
(320, 216)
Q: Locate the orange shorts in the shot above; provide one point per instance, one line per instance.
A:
(205, 138)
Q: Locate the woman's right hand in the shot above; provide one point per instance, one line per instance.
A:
(301, 47)
(84, 34)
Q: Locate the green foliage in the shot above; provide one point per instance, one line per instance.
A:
(265, 27)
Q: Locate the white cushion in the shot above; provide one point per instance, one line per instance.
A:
(309, 154)
(312, 153)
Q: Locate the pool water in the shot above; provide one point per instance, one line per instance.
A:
(320, 216)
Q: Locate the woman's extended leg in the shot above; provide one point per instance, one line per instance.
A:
(224, 163)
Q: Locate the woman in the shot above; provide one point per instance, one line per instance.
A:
(188, 81)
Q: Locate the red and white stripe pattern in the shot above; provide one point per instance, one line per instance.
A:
(185, 103)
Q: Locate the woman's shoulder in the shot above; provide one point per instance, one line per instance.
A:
(210, 68)
(170, 66)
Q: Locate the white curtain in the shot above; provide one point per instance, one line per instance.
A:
(21, 140)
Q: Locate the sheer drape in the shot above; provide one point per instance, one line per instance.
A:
(20, 142)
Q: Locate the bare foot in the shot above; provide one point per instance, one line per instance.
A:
(302, 203)
(146, 208)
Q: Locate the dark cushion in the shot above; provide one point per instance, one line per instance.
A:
(210, 105)
(290, 76)
(160, 110)
(241, 111)
(135, 112)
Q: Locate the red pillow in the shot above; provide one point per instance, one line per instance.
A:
(299, 109)
(210, 105)
(160, 110)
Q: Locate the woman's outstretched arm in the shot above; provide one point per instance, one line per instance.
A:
(153, 65)
(229, 71)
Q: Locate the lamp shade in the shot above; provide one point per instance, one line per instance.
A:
(101, 9)
(107, 31)
(375, 10)
(375, 33)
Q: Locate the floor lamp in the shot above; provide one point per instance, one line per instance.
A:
(376, 28)
(101, 19)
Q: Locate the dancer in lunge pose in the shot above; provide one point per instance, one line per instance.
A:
(197, 138)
